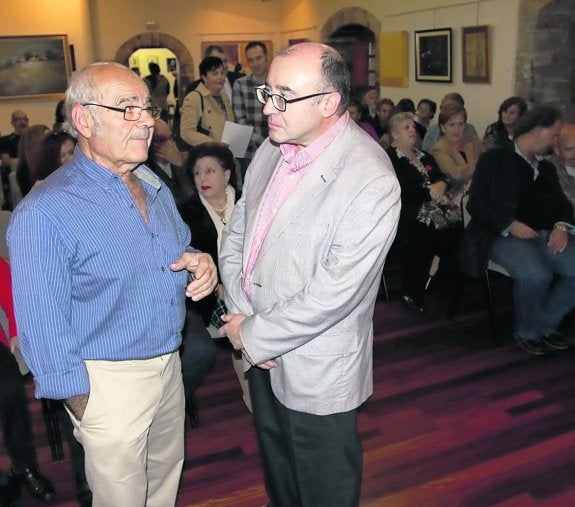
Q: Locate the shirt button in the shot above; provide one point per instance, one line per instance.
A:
(172, 302)
(153, 236)
(163, 269)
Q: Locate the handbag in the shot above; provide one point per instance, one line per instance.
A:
(441, 215)
(199, 127)
(219, 310)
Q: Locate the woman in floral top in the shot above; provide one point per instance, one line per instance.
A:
(425, 228)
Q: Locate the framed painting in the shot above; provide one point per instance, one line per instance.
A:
(433, 55)
(475, 53)
(35, 66)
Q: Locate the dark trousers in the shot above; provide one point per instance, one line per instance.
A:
(309, 460)
(420, 244)
(14, 413)
(197, 353)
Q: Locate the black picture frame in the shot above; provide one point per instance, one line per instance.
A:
(433, 61)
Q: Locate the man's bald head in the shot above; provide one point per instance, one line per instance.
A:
(565, 147)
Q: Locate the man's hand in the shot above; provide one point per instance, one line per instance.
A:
(522, 231)
(558, 240)
(202, 266)
(77, 405)
(169, 152)
(232, 330)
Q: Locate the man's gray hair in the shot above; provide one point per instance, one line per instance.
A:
(82, 89)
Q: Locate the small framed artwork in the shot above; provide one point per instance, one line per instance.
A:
(34, 66)
(433, 55)
(475, 53)
(171, 64)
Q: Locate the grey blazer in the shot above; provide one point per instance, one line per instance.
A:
(316, 278)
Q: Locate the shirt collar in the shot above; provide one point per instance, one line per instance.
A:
(297, 160)
(106, 177)
(536, 158)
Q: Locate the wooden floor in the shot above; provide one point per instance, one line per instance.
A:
(454, 420)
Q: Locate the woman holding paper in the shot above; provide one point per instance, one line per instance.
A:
(206, 109)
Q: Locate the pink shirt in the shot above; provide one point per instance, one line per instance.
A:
(294, 166)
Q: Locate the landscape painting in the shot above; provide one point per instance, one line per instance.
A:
(34, 66)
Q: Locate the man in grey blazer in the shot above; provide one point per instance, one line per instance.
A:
(301, 261)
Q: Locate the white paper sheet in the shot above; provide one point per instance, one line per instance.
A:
(237, 137)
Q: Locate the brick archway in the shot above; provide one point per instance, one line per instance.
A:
(362, 18)
(160, 40)
(350, 16)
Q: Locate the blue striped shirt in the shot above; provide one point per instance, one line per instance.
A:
(91, 278)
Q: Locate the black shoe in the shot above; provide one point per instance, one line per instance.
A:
(83, 491)
(36, 484)
(532, 346)
(554, 342)
(10, 491)
(412, 305)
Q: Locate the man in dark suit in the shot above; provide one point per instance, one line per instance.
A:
(522, 220)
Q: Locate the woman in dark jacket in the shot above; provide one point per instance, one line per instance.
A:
(423, 230)
(212, 168)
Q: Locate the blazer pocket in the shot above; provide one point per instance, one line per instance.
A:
(331, 344)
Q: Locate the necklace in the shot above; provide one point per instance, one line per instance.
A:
(219, 210)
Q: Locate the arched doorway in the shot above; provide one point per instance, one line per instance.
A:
(352, 31)
(160, 40)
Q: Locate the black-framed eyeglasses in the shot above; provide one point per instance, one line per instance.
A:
(279, 101)
(131, 113)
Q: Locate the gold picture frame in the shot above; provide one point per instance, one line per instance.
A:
(475, 52)
(36, 66)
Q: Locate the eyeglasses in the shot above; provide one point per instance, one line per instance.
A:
(132, 113)
(279, 101)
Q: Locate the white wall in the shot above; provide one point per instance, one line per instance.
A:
(481, 100)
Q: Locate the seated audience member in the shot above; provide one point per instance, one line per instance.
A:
(500, 133)
(29, 151)
(14, 412)
(520, 219)
(425, 112)
(213, 170)
(369, 100)
(384, 111)
(9, 143)
(456, 152)
(408, 106)
(206, 109)
(563, 159)
(426, 109)
(56, 150)
(61, 124)
(433, 131)
(354, 110)
(166, 161)
(429, 223)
